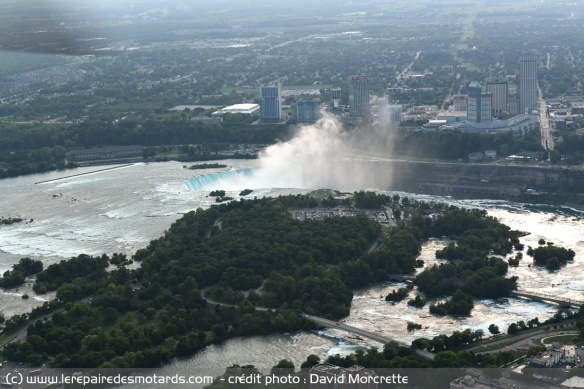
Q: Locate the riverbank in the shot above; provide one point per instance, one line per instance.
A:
(528, 184)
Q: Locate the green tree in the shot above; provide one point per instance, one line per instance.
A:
(513, 329)
(494, 329)
(311, 360)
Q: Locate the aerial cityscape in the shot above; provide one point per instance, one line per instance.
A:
(314, 194)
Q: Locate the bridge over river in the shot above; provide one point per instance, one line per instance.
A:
(366, 334)
(561, 301)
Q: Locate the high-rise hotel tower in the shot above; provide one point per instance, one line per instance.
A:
(359, 97)
(527, 82)
(270, 103)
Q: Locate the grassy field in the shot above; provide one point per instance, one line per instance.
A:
(562, 339)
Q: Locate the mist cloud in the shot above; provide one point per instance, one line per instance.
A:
(320, 156)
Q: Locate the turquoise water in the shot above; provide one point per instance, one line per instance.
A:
(220, 180)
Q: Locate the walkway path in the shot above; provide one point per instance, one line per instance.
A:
(358, 331)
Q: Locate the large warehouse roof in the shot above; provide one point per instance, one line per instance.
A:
(239, 108)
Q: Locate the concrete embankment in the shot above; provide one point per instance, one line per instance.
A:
(82, 174)
(463, 179)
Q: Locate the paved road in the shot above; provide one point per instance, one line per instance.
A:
(20, 335)
(292, 41)
(547, 139)
(213, 302)
(407, 68)
(523, 340)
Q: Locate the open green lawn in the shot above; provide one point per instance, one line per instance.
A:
(563, 339)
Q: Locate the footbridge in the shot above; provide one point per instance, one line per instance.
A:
(363, 333)
(561, 301)
(401, 277)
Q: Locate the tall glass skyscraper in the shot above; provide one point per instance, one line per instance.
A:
(527, 82)
(479, 107)
(359, 97)
(270, 103)
(306, 111)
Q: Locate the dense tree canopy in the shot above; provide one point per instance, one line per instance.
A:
(469, 267)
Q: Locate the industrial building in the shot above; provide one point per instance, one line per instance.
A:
(243, 109)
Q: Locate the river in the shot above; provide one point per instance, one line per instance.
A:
(121, 210)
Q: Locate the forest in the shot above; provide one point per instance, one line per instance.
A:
(469, 267)
(189, 289)
(123, 318)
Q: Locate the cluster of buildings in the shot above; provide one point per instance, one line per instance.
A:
(493, 108)
(562, 117)
(321, 214)
(483, 105)
(554, 355)
(359, 110)
(547, 369)
(270, 107)
(490, 108)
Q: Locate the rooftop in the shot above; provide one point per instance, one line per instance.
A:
(573, 382)
(238, 108)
